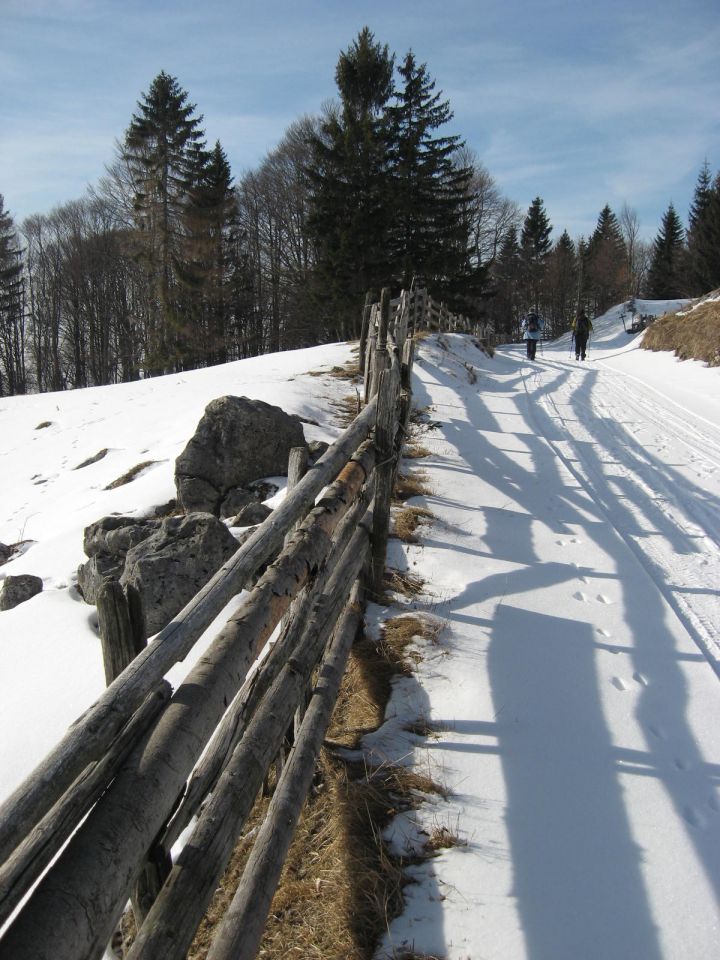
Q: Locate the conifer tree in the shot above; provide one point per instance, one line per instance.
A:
(429, 233)
(703, 237)
(213, 234)
(561, 285)
(535, 245)
(12, 308)
(506, 304)
(165, 157)
(606, 278)
(666, 277)
(349, 218)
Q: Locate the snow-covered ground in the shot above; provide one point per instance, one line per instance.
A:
(573, 693)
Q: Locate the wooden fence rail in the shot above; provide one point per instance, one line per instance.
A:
(95, 823)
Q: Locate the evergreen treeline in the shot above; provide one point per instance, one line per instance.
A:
(168, 264)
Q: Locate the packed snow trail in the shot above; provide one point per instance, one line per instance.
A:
(574, 705)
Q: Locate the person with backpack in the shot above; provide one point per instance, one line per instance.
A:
(581, 328)
(532, 328)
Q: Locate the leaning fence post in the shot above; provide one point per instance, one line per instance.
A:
(122, 632)
(367, 309)
(385, 429)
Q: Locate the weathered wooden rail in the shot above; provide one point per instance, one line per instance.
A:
(94, 825)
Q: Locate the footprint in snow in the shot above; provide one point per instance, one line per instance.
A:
(619, 683)
(681, 764)
(603, 632)
(657, 731)
(639, 678)
(603, 599)
(582, 597)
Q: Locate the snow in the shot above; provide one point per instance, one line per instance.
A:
(573, 562)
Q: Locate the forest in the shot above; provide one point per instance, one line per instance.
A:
(169, 263)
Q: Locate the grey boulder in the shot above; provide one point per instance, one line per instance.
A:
(237, 441)
(18, 589)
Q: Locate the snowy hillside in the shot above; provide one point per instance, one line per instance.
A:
(572, 699)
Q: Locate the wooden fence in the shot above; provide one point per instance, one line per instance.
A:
(94, 824)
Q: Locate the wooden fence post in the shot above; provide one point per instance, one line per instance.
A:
(367, 310)
(385, 429)
(122, 632)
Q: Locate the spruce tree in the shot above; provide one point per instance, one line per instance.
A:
(429, 233)
(350, 215)
(606, 278)
(535, 245)
(12, 308)
(666, 277)
(213, 234)
(165, 157)
(703, 237)
(561, 285)
(506, 304)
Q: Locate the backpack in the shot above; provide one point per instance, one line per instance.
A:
(582, 326)
(533, 323)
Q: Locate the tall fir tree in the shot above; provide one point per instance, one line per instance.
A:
(13, 378)
(429, 233)
(165, 156)
(666, 277)
(561, 285)
(605, 275)
(213, 234)
(703, 238)
(535, 245)
(349, 178)
(506, 304)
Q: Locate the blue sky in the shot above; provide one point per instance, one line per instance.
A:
(579, 103)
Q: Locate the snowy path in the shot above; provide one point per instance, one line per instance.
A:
(575, 559)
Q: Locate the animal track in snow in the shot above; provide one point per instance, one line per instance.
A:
(657, 731)
(603, 599)
(619, 683)
(582, 597)
(639, 678)
(603, 632)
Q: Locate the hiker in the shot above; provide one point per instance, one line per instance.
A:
(532, 329)
(581, 328)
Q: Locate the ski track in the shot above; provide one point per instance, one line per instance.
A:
(598, 441)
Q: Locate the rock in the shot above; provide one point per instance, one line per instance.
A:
(316, 448)
(251, 514)
(16, 590)
(236, 442)
(5, 552)
(107, 542)
(235, 501)
(169, 567)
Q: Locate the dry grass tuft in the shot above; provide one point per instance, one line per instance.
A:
(403, 583)
(409, 485)
(692, 334)
(351, 371)
(130, 475)
(405, 523)
(98, 456)
(442, 838)
(415, 451)
(349, 407)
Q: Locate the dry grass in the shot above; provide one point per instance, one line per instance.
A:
(349, 407)
(98, 456)
(692, 334)
(340, 887)
(415, 451)
(405, 523)
(350, 371)
(442, 838)
(402, 582)
(130, 475)
(44, 424)
(409, 485)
